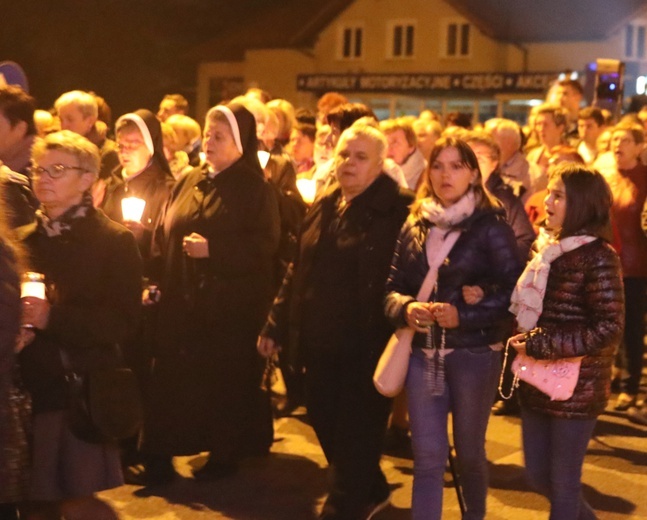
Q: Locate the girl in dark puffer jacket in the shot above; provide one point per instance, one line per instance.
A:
(581, 314)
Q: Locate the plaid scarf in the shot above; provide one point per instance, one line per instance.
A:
(62, 224)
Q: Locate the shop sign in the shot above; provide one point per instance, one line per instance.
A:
(491, 82)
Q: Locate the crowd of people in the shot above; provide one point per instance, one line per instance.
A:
(200, 255)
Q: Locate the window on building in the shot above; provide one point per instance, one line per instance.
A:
(351, 42)
(401, 38)
(635, 40)
(457, 42)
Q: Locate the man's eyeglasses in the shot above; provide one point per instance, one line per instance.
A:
(55, 171)
(129, 146)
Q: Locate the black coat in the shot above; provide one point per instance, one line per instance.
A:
(211, 309)
(154, 185)
(13, 445)
(485, 254)
(583, 315)
(378, 228)
(93, 274)
(515, 214)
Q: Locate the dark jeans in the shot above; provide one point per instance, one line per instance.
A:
(634, 343)
(471, 377)
(349, 418)
(554, 452)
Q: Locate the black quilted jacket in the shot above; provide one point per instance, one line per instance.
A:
(485, 254)
(583, 315)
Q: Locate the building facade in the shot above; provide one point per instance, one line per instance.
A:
(401, 56)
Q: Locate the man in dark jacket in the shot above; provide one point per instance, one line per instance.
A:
(487, 152)
(17, 135)
(329, 316)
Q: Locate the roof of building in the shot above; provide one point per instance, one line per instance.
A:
(547, 20)
(283, 24)
(297, 23)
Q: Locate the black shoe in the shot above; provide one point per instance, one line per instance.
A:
(374, 508)
(156, 472)
(286, 407)
(212, 471)
(506, 407)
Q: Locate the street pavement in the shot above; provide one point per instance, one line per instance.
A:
(290, 484)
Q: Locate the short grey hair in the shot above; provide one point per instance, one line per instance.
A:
(71, 143)
(85, 102)
(365, 127)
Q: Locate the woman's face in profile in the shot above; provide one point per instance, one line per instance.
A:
(219, 145)
(450, 177)
(555, 204)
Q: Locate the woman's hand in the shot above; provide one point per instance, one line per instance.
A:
(266, 347)
(472, 294)
(195, 246)
(35, 312)
(419, 317)
(151, 295)
(446, 315)
(136, 228)
(518, 343)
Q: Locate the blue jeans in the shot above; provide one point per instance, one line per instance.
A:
(471, 377)
(554, 450)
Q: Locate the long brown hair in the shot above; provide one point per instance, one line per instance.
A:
(468, 159)
(588, 201)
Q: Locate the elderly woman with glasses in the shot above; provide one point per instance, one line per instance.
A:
(92, 271)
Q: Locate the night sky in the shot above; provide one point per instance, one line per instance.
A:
(131, 52)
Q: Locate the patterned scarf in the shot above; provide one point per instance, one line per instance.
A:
(528, 295)
(62, 224)
(446, 218)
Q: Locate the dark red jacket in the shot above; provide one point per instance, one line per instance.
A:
(583, 315)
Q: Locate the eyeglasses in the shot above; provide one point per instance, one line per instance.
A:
(129, 146)
(55, 171)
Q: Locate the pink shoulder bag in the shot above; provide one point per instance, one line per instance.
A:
(555, 378)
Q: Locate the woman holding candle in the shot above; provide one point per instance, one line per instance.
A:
(218, 238)
(455, 236)
(144, 178)
(92, 270)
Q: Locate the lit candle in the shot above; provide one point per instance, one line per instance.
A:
(33, 284)
(263, 157)
(308, 189)
(132, 209)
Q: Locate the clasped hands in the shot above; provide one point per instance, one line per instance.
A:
(195, 246)
(420, 316)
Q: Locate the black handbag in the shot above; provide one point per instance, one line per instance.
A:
(104, 405)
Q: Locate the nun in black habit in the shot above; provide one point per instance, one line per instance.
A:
(143, 173)
(217, 240)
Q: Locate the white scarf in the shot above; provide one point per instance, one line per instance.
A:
(528, 295)
(445, 218)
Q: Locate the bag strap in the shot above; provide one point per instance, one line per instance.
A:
(431, 277)
(515, 381)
